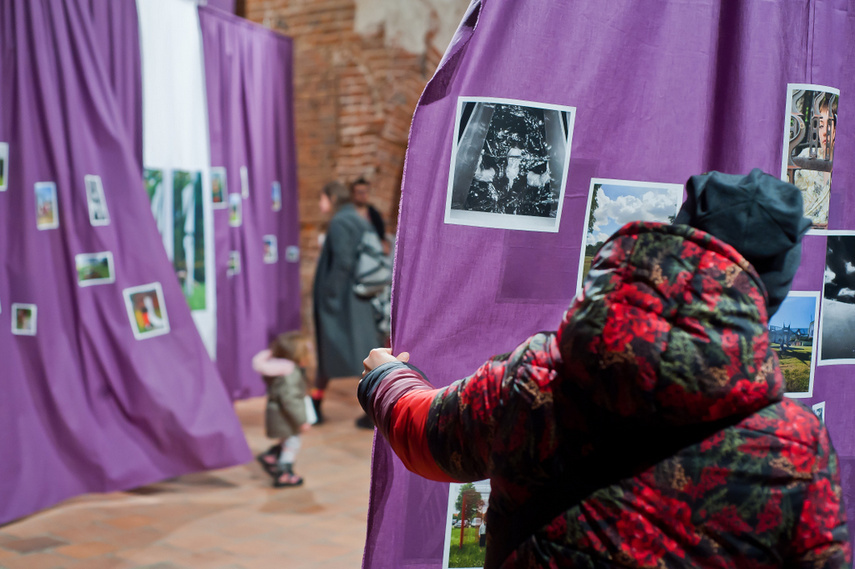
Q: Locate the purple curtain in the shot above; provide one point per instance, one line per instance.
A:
(663, 90)
(248, 70)
(86, 407)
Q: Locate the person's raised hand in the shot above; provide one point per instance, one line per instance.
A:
(380, 356)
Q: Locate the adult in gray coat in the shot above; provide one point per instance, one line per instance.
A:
(344, 323)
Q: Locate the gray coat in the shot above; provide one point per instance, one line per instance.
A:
(344, 323)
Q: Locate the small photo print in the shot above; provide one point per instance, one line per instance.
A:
(94, 268)
(276, 195)
(465, 528)
(233, 267)
(244, 182)
(4, 165)
(218, 187)
(614, 203)
(235, 212)
(24, 318)
(837, 315)
(292, 253)
(791, 334)
(809, 137)
(271, 251)
(98, 214)
(47, 207)
(509, 164)
(819, 410)
(146, 310)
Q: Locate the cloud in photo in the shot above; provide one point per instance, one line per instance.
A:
(618, 205)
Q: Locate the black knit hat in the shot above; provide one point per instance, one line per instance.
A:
(759, 215)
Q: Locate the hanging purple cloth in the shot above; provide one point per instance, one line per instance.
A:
(661, 91)
(248, 70)
(85, 406)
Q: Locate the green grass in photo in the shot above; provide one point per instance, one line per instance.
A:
(470, 555)
(197, 299)
(90, 272)
(795, 365)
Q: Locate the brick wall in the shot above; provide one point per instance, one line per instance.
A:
(354, 100)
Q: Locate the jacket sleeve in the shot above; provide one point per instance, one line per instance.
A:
(291, 397)
(822, 537)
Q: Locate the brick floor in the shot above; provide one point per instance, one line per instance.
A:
(222, 519)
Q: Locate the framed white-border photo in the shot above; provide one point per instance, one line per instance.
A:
(271, 249)
(276, 196)
(233, 266)
(47, 205)
(614, 203)
(24, 319)
(146, 310)
(792, 335)
(810, 132)
(235, 210)
(4, 166)
(465, 525)
(509, 164)
(292, 253)
(98, 213)
(244, 182)
(219, 188)
(837, 312)
(819, 410)
(94, 268)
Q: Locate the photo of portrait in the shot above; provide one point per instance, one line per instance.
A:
(235, 214)
(837, 315)
(509, 164)
(809, 136)
(276, 195)
(4, 165)
(24, 319)
(614, 203)
(188, 236)
(154, 187)
(94, 268)
(271, 251)
(819, 410)
(465, 529)
(47, 206)
(98, 214)
(292, 253)
(244, 182)
(791, 334)
(218, 187)
(146, 310)
(233, 267)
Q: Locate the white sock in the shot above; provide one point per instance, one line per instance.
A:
(289, 450)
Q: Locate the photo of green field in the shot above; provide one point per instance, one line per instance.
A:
(791, 334)
(466, 540)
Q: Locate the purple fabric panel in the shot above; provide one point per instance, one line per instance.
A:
(248, 72)
(86, 407)
(663, 90)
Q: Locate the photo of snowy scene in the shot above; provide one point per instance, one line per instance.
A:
(837, 321)
(465, 533)
(614, 203)
(791, 333)
(509, 165)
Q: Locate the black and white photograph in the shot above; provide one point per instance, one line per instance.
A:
(219, 189)
(94, 268)
(465, 528)
(819, 410)
(837, 317)
(233, 267)
(98, 213)
(509, 164)
(791, 334)
(4, 165)
(244, 182)
(271, 249)
(809, 135)
(146, 310)
(614, 203)
(47, 205)
(24, 319)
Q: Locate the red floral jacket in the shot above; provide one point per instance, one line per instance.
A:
(650, 430)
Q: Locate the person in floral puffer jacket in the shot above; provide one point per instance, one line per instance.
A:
(649, 430)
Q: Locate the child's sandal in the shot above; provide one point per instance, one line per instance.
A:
(287, 479)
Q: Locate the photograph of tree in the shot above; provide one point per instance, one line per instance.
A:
(837, 320)
(791, 333)
(189, 236)
(509, 164)
(465, 536)
(809, 137)
(614, 203)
